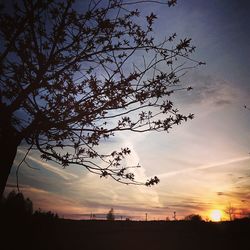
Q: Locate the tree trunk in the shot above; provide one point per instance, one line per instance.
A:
(8, 149)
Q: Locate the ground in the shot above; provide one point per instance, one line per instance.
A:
(37, 233)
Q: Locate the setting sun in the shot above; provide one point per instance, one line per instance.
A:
(216, 215)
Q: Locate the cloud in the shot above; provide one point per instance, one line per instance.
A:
(184, 207)
(221, 193)
(223, 102)
(13, 186)
(241, 195)
(187, 206)
(209, 90)
(207, 166)
(59, 172)
(50, 201)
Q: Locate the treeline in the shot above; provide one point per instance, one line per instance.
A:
(15, 205)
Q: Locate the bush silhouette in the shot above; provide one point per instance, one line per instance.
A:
(45, 215)
(193, 217)
(16, 205)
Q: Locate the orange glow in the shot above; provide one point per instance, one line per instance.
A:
(216, 215)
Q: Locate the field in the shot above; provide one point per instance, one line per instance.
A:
(37, 233)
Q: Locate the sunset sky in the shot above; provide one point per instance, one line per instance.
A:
(203, 164)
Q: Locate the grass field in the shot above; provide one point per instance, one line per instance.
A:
(62, 234)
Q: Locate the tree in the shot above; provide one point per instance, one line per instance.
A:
(16, 205)
(71, 78)
(45, 215)
(230, 211)
(110, 215)
(193, 217)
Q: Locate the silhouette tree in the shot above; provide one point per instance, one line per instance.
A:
(72, 76)
(16, 205)
(110, 215)
(230, 211)
(193, 217)
(45, 215)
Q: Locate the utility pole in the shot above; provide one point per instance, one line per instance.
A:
(146, 217)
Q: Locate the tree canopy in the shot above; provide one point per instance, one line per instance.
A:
(73, 75)
(110, 215)
(16, 205)
(193, 217)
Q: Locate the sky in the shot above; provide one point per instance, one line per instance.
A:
(203, 164)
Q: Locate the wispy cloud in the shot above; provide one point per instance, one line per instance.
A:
(50, 201)
(207, 166)
(60, 172)
(211, 90)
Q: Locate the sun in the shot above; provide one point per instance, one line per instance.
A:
(216, 215)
